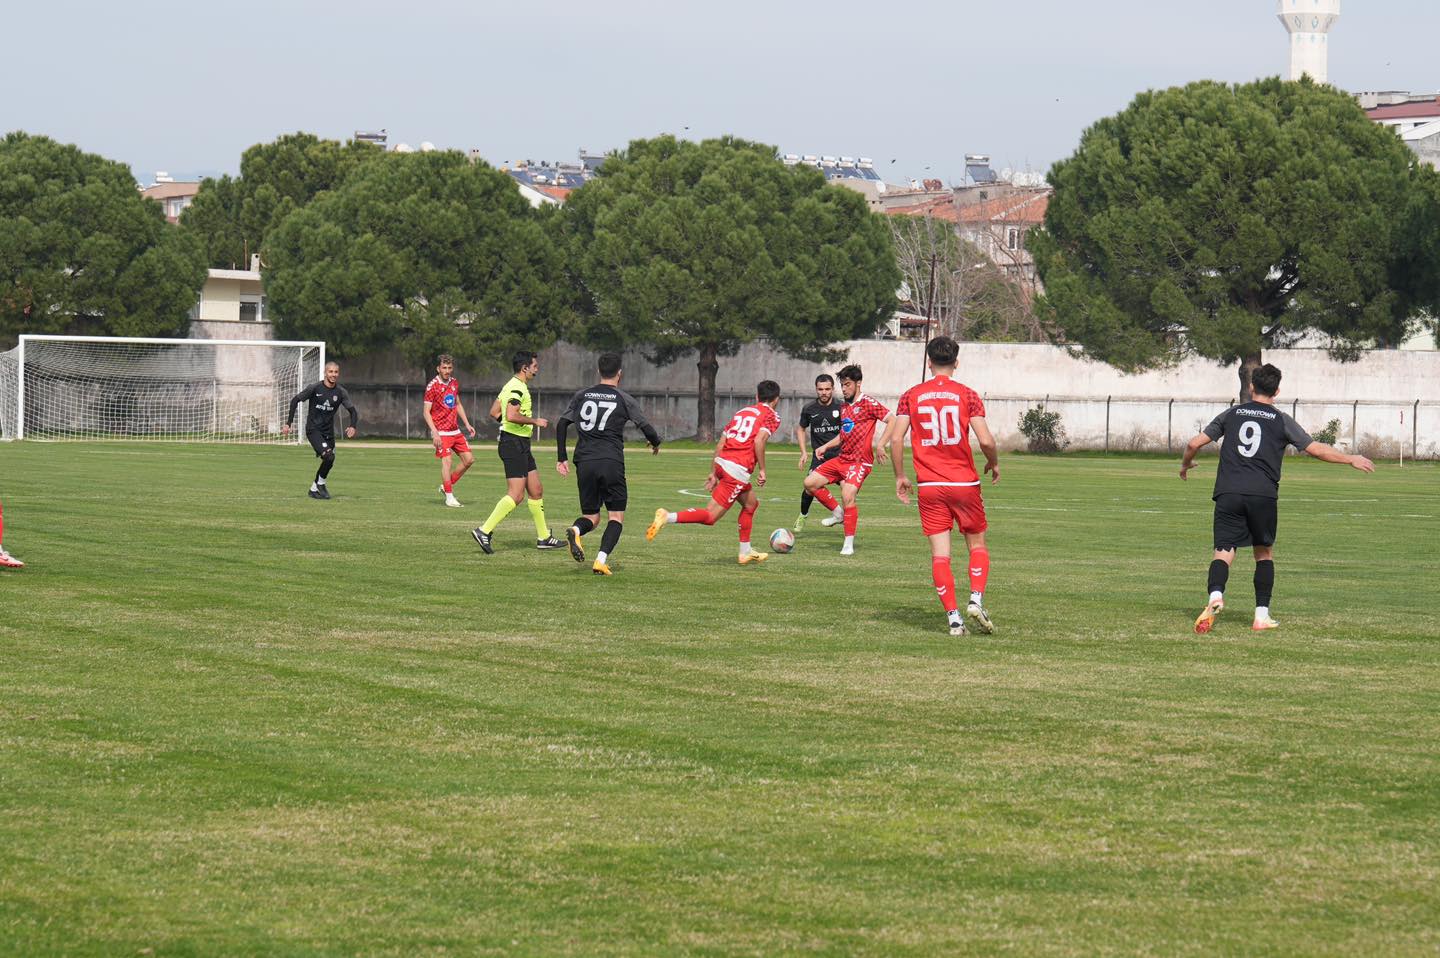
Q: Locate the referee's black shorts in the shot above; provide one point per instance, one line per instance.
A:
(602, 483)
(515, 455)
(321, 441)
(1242, 520)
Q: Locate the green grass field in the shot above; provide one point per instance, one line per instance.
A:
(236, 721)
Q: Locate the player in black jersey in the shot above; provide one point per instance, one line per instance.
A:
(820, 421)
(1247, 487)
(600, 412)
(325, 399)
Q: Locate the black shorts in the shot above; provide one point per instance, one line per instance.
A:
(515, 455)
(321, 442)
(1245, 521)
(602, 483)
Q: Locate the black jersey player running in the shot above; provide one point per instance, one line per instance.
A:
(820, 423)
(1247, 487)
(600, 412)
(325, 399)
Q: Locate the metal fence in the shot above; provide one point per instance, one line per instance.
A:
(1110, 424)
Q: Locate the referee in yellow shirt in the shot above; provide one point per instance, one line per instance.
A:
(512, 410)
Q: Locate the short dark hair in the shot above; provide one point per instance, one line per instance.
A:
(1265, 380)
(608, 364)
(943, 351)
(444, 358)
(521, 359)
(767, 390)
(852, 373)
(824, 378)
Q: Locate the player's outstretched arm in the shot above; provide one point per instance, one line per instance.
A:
(1191, 448)
(562, 464)
(430, 424)
(1328, 453)
(986, 439)
(762, 438)
(881, 448)
(350, 408)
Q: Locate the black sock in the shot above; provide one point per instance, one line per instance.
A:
(583, 526)
(611, 538)
(805, 500)
(326, 464)
(1264, 581)
(1219, 575)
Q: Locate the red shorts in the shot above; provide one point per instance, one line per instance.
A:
(942, 507)
(847, 473)
(448, 444)
(727, 488)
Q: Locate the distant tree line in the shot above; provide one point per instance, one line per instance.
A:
(1210, 219)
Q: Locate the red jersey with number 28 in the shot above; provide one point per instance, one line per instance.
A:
(443, 398)
(857, 428)
(940, 411)
(740, 434)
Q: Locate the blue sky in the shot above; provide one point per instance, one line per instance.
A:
(188, 87)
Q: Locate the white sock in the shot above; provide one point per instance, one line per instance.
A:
(744, 548)
(976, 598)
(849, 542)
(839, 512)
(1216, 596)
(671, 517)
(314, 488)
(1262, 612)
(600, 557)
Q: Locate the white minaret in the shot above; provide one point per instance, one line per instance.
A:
(1308, 22)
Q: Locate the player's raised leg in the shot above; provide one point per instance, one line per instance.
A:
(707, 516)
(850, 515)
(1264, 588)
(979, 575)
(1215, 584)
(7, 561)
(609, 539)
(749, 502)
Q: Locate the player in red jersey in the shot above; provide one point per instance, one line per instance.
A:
(857, 456)
(442, 408)
(944, 412)
(739, 468)
(7, 561)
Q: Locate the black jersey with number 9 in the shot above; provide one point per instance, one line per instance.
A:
(1253, 437)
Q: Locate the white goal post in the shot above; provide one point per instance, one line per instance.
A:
(183, 390)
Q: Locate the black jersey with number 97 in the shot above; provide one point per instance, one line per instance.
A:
(1253, 438)
(600, 413)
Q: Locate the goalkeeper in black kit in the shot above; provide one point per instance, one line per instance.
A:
(600, 413)
(325, 399)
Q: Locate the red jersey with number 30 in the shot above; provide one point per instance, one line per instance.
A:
(940, 411)
(443, 398)
(857, 428)
(740, 434)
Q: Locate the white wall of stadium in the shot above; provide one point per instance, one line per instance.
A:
(1386, 403)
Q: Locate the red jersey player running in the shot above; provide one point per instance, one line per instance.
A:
(944, 412)
(857, 457)
(739, 467)
(442, 408)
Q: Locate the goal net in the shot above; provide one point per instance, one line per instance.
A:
(198, 390)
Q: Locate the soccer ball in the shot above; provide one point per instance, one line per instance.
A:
(782, 540)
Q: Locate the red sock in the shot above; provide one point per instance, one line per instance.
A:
(747, 519)
(455, 479)
(852, 519)
(447, 485)
(695, 515)
(944, 582)
(822, 496)
(979, 568)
